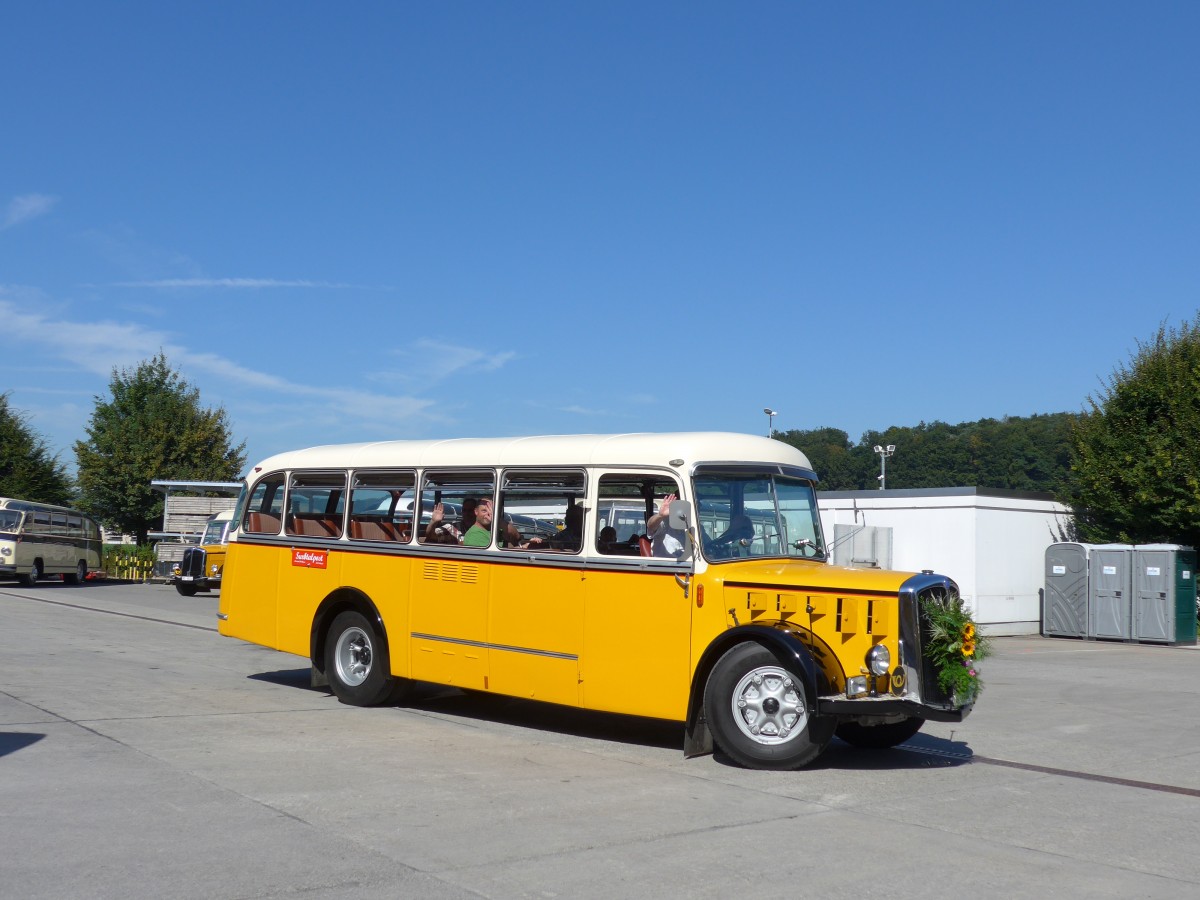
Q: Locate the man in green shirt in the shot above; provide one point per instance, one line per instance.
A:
(480, 534)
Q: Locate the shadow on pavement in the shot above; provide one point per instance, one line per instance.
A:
(12, 741)
(297, 678)
(918, 752)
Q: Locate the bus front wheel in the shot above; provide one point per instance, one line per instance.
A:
(187, 590)
(356, 662)
(758, 714)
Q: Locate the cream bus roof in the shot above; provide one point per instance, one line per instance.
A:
(551, 450)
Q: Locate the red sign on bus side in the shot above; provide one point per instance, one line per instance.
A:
(310, 559)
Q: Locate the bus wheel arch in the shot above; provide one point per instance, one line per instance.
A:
(755, 696)
(349, 647)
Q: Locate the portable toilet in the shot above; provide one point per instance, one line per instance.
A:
(1164, 603)
(1110, 592)
(1065, 613)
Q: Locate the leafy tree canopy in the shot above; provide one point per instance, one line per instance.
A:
(1135, 452)
(153, 427)
(27, 469)
(1016, 453)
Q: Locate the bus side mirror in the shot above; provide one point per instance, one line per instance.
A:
(680, 515)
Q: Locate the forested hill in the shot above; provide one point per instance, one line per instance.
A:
(1020, 454)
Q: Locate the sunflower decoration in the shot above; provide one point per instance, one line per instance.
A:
(955, 646)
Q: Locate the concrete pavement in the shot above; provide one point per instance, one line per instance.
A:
(142, 755)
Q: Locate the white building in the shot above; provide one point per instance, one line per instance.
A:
(992, 542)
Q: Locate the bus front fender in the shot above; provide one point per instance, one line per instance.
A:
(785, 643)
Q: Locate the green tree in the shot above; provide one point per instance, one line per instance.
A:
(1015, 453)
(831, 453)
(153, 427)
(1135, 452)
(27, 469)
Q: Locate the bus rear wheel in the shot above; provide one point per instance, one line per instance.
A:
(78, 576)
(35, 572)
(356, 663)
(757, 709)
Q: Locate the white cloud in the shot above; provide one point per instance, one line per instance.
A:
(256, 283)
(25, 207)
(100, 347)
(434, 360)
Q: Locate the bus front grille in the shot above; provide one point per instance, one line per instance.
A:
(192, 563)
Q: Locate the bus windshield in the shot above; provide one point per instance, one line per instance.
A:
(10, 520)
(215, 532)
(744, 514)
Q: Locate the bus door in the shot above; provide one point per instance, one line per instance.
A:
(450, 583)
(312, 570)
(637, 623)
(250, 583)
(535, 615)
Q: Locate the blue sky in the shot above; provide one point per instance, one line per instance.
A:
(386, 220)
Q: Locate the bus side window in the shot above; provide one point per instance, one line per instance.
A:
(264, 512)
(454, 495)
(381, 506)
(627, 501)
(543, 510)
(316, 503)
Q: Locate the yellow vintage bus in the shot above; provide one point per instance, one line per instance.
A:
(353, 556)
(200, 568)
(39, 539)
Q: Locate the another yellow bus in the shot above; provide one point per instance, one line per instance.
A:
(200, 568)
(38, 539)
(347, 555)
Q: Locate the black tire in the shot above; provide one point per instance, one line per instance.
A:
(878, 737)
(758, 711)
(78, 576)
(35, 573)
(356, 663)
(187, 590)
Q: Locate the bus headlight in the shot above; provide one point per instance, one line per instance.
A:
(214, 568)
(879, 660)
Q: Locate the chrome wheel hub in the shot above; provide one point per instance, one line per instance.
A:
(768, 706)
(353, 657)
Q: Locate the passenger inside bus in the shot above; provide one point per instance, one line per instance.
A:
(480, 532)
(730, 543)
(665, 540)
(439, 531)
(606, 542)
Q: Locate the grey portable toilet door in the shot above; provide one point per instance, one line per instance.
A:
(1111, 586)
(1066, 609)
(1154, 600)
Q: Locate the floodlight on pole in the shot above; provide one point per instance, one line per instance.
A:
(771, 414)
(884, 453)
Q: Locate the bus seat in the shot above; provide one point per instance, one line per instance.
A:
(309, 525)
(262, 523)
(373, 530)
(644, 547)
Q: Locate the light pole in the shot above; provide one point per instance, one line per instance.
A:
(884, 453)
(771, 414)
